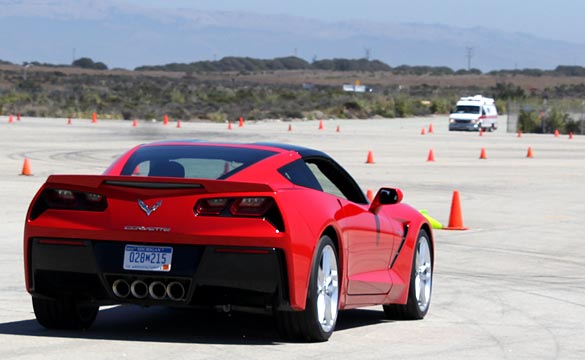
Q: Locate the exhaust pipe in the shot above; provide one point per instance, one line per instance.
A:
(157, 290)
(121, 288)
(175, 291)
(139, 289)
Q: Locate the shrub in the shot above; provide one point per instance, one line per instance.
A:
(528, 121)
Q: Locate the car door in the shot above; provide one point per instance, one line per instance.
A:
(368, 238)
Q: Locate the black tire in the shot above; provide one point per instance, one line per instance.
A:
(64, 313)
(307, 325)
(419, 299)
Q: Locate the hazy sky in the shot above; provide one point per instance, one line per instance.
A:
(559, 20)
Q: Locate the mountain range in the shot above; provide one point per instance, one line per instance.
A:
(127, 36)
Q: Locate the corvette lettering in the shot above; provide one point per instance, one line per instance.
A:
(147, 228)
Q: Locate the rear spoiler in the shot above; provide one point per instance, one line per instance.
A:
(152, 182)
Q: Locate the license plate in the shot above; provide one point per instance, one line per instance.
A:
(148, 258)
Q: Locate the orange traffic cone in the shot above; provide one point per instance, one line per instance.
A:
(229, 125)
(241, 121)
(557, 133)
(519, 134)
(483, 154)
(321, 126)
(529, 154)
(370, 195)
(289, 127)
(570, 135)
(338, 128)
(422, 131)
(178, 124)
(480, 131)
(94, 118)
(18, 116)
(165, 119)
(134, 123)
(26, 167)
(370, 159)
(69, 122)
(455, 218)
(10, 119)
(431, 155)
(431, 130)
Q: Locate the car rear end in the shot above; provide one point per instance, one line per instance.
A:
(149, 239)
(198, 245)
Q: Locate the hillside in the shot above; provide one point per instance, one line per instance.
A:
(56, 31)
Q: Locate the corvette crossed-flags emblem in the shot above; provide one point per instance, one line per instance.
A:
(149, 209)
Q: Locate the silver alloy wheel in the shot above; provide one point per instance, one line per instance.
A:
(423, 276)
(327, 289)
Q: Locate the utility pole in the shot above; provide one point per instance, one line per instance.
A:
(469, 55)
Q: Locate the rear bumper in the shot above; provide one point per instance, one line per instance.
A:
(208, 275)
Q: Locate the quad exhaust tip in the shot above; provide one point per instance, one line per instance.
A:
(156, 290)
(139, 289)
(121, 288)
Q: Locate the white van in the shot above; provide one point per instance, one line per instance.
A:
(474, 113)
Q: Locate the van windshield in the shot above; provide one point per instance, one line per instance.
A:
(467, 109)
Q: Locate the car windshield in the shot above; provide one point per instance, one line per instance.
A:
(192, 161)
(467, 109)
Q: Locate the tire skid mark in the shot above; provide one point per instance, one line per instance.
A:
(505, 342)
(523, 253)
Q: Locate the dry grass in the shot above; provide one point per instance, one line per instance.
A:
(333, 78)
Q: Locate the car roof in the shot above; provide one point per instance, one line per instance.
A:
(273, 146)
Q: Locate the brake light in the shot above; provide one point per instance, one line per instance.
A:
(245, 206)
(60, 198)
(251, 206)
(64, 199)
(211, 206)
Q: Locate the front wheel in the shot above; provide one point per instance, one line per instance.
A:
(421, 284)
(64, 313)
(317, 321)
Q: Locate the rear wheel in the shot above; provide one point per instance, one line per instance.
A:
(421, 284)
(317, 321)
(64, 313)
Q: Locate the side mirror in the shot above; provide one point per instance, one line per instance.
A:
(386, 196)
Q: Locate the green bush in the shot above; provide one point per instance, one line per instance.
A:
(555, 119)
(528, 121)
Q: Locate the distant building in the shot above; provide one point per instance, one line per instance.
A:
(356, 88)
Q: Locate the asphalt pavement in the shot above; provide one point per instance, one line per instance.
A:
(512, 286)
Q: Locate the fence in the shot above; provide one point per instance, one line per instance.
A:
(547, 117)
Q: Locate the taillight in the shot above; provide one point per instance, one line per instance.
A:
(211, 206)
(244, 206)
(64, 199)
(251, 206)
(59, 198)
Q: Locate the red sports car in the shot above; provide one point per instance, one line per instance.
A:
(275, 227)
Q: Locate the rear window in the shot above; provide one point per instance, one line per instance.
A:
(467, 109)
(192, 161)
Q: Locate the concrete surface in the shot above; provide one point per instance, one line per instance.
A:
(512, 286)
